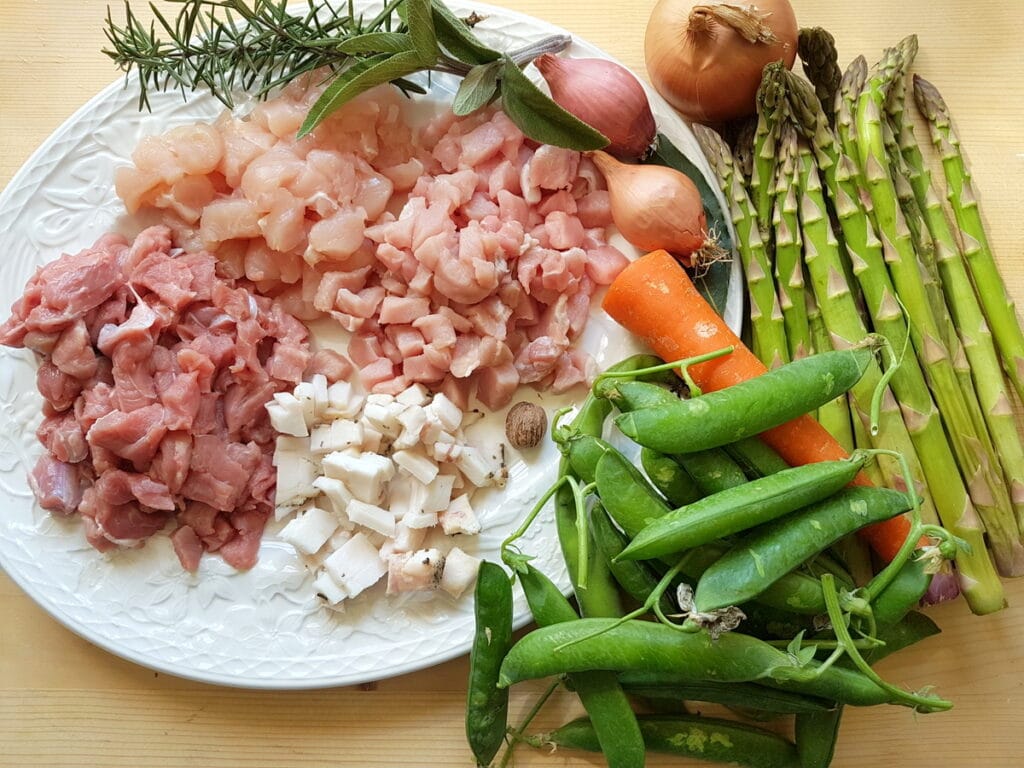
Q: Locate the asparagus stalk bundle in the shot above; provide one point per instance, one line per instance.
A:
(879, 255)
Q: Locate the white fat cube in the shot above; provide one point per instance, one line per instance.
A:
(286, 415)
(343, 401)
(407, 539)
(310, 530)
(321, 397)
(415, 394)
(383, 417)
(417, 464)
(476, 467)
(446, 412)
(285, 444)
(355, 565)
(459, 572)
(414, 571)
(412, 419)
(373, 439)
(371, 516)
(432, 430)
(306, 395)
(439, 493)
(459, 517)
(445, 452)
(336, 492)
(295, 475)
(405, 494)
(365, 475)
(419, 519)
(328, 589)
(336, 436)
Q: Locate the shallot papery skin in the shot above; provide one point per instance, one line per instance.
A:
(606, 96)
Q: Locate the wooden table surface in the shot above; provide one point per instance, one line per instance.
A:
(64, 702)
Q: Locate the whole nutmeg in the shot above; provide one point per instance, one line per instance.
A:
(525, 425)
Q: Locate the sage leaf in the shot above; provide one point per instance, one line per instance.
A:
(360, 77)
(477, 88)
(376, 42)
(453, 33)
(420, 20)
(540, 118)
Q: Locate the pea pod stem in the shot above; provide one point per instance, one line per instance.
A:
(681, 365)
(528, 521)
(515, 735)
(835, 614)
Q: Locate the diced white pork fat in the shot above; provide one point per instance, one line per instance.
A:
(321, 398)
(295, 475)
(337, 494)
(459, 574)
(383, 417)
(459, 517)
(414, 571)
(418, 518)
(412, 419)
(417, 464)
(287, 444)
(439, 493)
(336, 435)
(287, 415)
(373, 441)
(447, 412)
(371, 516)
(415, 394)
(355, 565)
(364, 475)
(476, 467)
(343, 401)
(305, 394)
(328, 589)
(445, 452)
(407, 539)
(310, 530)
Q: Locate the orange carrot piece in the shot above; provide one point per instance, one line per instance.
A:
(655, 299)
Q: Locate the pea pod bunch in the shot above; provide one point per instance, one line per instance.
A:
(706, 569)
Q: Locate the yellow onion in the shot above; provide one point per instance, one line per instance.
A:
(706, 58)
(606, 96)
(657, 207)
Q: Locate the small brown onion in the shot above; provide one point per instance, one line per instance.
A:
(706, 58)
(657, 207)
(606, 96)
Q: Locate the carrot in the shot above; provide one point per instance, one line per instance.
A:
(654, 299)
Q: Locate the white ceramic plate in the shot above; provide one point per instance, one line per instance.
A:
(262, 628)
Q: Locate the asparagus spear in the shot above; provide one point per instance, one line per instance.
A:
(849, 91)
(846, 327)
(988, 492)
(817, 50)
(771, 102)
(835, 414)
(999, 309)
(969, 318)
(767, 327)
(789, 274)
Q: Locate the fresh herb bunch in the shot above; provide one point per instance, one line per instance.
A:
(256, 45)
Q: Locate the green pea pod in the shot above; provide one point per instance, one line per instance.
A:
(749, 407)
(816, 734)
(638, 646)
(742, 507)
(755, 457)
(613, 719)
(486, 703)
(632, 395)
(636, 579)
(903, 593)
(626, 494)
(712, 470)
(601, 595)
(583, 452)
(748, 695)
(703, 738)
(911, 629)
(770, 552)
(671, 480)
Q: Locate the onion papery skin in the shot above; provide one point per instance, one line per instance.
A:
(711, 74)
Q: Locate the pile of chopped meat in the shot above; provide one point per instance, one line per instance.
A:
(155, 374)
(460, 255)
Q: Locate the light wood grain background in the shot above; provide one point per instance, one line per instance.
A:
(65, 703)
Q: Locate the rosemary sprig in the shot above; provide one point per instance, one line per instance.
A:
(257, 46)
